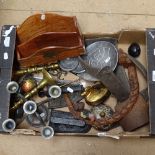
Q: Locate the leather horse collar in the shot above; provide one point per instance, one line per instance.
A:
(131, 101)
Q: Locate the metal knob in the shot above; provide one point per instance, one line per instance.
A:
(8, 125)
(30, 107)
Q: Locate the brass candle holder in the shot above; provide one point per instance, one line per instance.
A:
(36, 69)
(47, 79)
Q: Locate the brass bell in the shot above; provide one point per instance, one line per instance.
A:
(95, 94)
(47, 79)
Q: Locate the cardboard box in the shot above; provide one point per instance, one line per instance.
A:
(121, 15)
(125, 38)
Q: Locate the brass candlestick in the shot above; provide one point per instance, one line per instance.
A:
(36, 69)
(47, 79)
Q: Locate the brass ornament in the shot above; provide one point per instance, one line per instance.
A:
(102, 111)
(28, 84)
(47, 79)
(36, 69)
(96, 94)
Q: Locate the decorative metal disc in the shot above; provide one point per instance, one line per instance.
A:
(69, 64)
(103, 111)
(101, 54)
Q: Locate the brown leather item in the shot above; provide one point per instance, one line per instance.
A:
(137, 117)
(131, 101)
(47, 38)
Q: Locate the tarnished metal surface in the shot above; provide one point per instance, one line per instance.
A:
(109, 79)
(122, 76)
(101, 54)
(64, 122)
(69, 64)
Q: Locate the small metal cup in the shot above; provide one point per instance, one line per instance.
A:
(47, 132)
(8, 125)
(12, 87)
(30, 107)
(54, 91)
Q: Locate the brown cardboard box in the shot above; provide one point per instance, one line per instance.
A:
(94, 17)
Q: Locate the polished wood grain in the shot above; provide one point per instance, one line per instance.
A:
(41, 23)
(49, 55)
(47, 38)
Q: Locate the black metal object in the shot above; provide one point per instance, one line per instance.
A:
(75, 88)
(7, 47)
(134, 50)
(39, 118)
(64, 122)
(150, 39)
(60, 101)
(19, 113)
(64, 89)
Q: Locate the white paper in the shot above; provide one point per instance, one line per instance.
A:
(153, 75)
(5, 56)
(7, 42)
